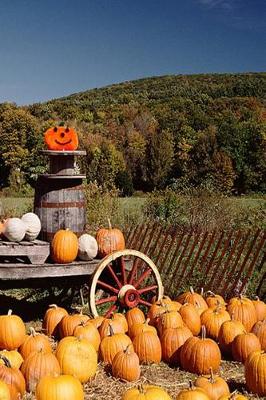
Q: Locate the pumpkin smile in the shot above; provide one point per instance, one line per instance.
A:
(61, 138)
(63, 143)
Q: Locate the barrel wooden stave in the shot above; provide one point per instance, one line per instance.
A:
(60, 204)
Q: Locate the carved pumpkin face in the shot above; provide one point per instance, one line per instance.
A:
(61, 138)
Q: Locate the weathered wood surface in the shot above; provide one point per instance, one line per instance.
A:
(63, 152)
(63, 163)
(20, 271)
(53, 176)
(60, 204)
(36, 251)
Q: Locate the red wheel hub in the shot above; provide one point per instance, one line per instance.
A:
(131, 298)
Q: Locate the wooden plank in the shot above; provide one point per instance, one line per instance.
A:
(52, 176)
(63, 152)
(36, 253)
(29, 271)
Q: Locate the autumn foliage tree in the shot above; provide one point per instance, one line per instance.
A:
(20, 141)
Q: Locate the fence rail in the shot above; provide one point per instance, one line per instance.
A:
(227, 262)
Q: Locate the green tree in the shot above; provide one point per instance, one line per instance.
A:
(20, 141)
(160, 158)
(244, 142)
(104, 162)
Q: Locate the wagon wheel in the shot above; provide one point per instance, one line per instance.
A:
(123, 280)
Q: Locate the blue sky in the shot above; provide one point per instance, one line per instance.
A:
(52, 48)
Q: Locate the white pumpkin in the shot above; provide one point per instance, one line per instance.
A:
(88, 247)
(33, 224)
(15, 229)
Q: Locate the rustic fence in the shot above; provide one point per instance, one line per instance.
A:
(227, 262)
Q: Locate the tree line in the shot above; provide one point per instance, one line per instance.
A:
(150, 134)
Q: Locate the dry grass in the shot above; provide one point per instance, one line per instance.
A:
(104, 387)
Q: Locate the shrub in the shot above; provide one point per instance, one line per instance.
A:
(101, 205)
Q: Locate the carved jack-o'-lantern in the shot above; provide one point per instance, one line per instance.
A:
(61, 138)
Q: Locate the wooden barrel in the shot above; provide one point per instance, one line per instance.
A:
(60, 204)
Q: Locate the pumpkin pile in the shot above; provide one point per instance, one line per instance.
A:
(192, 333)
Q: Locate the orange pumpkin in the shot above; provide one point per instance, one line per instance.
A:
(77, 357)
(52, 318)
(69, 322)
(88, 331)
(109, 240)
(35, 342)
(112, 344)
(64, 246)
(242, 309)
(193, 298)
(255, 373)
(125, 364)
(14, 379)
(62, 387)
(199, 354)
(214, 385)
(12, 331)
(61, 138)
(38, 364)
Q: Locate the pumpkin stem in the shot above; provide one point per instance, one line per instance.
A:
(191, 290)
(210, 293)
(111, 330)
(80, 309)
(257, 298)
(6, 361)
(53, 306)
(218, 307)
(212, 376)
(109, 223)
(201, 291)
(190, 385)
(233, 394)
(203, 332)
(32, 331)
(147, 321)
(9, 312)
(126, 351)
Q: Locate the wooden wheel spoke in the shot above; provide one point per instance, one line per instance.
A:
(111, 278)
(145, 303)
(123, 270)
(112, 272)
(106, 300)
(107, 286)
(110, 311)
(133, 271)
(144, 275)
(148, 289)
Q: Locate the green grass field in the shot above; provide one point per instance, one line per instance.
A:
(130, 209)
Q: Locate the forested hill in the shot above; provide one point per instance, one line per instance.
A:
(177, 130)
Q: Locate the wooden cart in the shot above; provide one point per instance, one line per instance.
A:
(122, 280)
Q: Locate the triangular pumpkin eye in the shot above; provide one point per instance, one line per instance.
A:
(55, 129)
